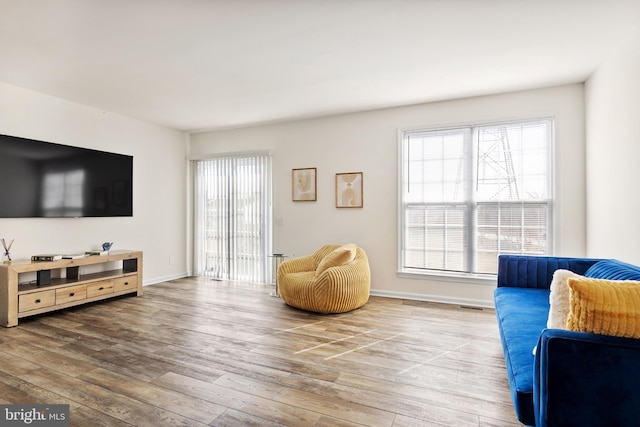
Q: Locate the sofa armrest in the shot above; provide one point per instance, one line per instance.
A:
(527, 271)
(586, 379)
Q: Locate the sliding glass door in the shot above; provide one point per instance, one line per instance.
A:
(233, 217)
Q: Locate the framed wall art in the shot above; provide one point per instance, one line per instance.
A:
(349, 190)
(304, 185)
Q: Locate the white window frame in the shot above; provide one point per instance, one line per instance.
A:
(455, 276)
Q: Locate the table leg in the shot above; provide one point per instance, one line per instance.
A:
(276, 260)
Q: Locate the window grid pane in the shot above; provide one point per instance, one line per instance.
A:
(435, 164)
(512, 162)
(436, 237)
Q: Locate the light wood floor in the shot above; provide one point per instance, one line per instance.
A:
(194, 352)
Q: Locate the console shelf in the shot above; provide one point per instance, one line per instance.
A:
(66, 284)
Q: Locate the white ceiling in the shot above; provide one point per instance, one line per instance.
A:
(212, 64)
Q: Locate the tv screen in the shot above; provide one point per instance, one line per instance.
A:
(45, 180)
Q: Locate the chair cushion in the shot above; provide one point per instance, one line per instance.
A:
(606, 307)
(339, 256)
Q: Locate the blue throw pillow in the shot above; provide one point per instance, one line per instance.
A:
(612, 269)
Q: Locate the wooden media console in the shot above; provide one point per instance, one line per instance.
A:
(66, 283)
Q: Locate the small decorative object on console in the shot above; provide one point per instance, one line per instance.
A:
(91, 253)
(46, 257)
(107, 245)
(6, 257)
(73, 256)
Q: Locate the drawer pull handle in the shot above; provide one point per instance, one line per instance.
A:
(101, 288)
(72, 294)
(126, 283)
(38, 301)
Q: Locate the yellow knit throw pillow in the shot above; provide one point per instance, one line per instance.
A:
(339, 256)
(607, 307)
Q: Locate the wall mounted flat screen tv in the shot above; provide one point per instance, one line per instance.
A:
(44, 180)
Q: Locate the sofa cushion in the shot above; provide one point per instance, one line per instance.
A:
(559, 299)
(339, 256)
(606, 307)
(522, 315)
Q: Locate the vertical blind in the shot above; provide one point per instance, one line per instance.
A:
(233, 217)
(473, 192)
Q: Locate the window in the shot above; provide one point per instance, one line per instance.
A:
(233, 218)
(470, 193)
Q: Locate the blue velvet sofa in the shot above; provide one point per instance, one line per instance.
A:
(574, 378)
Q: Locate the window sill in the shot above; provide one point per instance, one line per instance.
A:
(442, 276)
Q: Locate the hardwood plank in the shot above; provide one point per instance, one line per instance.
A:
(18, 391)
(242, 400)
(326, 405)
(46, 358)
(233, 418)
(113, 404)
(189, 406)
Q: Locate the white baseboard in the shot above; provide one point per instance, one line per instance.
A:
(434, 298)
(399, 295)
(155, 280)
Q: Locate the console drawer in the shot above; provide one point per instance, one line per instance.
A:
(71, 293)
(28, 302)
(125, 283)
(100, 288)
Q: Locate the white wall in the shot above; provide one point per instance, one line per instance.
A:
(367, 142)
(158, 225)
(613, 155)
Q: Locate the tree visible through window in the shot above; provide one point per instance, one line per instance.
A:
(473, 192)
